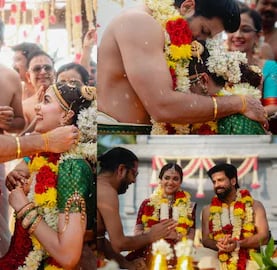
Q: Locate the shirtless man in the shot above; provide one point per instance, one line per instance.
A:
(134, 81)
(268, 12)
(226, 187)
(118, 170)
(41, 74)
(21, 53)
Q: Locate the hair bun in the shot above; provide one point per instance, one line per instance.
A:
(88, 92)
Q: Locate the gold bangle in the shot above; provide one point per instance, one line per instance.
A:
(215, 107)
(18, 148)
(243, 100)
(35, 224)
(29, 219)
(24, 209)
(46, 141)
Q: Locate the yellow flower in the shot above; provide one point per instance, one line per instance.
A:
(182, 52)
(36, 243)
(238, 212)
(249, 227)
(247, 199)
(219, 236)
(215, 209)
(232, 266)
(54, 168)
(52, 267)
(48, 198)
(223, 257)
(181, 230)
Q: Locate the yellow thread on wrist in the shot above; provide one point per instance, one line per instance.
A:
(215, 107)
(243, 101)
(46, 141)
(18, 148)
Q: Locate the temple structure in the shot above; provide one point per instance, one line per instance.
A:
(254, 156)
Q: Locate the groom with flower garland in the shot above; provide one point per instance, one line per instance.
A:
(143, 61)
(234, 223)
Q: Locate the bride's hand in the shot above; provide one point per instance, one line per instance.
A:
(18, 199)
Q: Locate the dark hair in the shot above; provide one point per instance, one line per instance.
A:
(248, 75)
(254, 15)
(111, 159)
(77, 67)
(72, 95)
(38, 53)
(196, 66)
(226, 10)
(169, 166)
(229, 170)
(27, 48)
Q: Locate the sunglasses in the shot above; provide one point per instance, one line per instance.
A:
(39, 68)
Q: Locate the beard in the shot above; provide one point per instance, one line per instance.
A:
(123, 186)
(223, 195)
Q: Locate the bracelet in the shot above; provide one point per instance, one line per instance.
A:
(18, 148)
(46, 141)
(35, 224)
(215, 107)
(27, 207)
(29, 219)
(243, 101)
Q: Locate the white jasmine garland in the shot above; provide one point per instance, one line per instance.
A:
(224, 63)
(87, 147)
(184, 248)
(163, 248)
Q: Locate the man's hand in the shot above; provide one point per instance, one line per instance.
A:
(90, 38)
(255, 111)
(61, 139)
(162, 229)
(137, 264)
(227, 244)
(16, 178)
(6, 117)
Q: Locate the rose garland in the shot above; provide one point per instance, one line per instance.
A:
(181, 205)
(178, 38)
(44, 168)
(236, 220)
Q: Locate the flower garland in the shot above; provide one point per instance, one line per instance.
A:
(236, 220)
(177, 48)
(87, 147)
(181, 207)
(44, 168)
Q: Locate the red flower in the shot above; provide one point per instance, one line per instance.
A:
(244, 192)
(174, 77)
(239, 205)
(216, 202)
(205, 129)
(180, 195)
(40, 188)
(148, 210)
(152, 222)
(227, 229)
(179, 32)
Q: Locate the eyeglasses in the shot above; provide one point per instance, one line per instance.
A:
(247, 30)
(38, 68)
